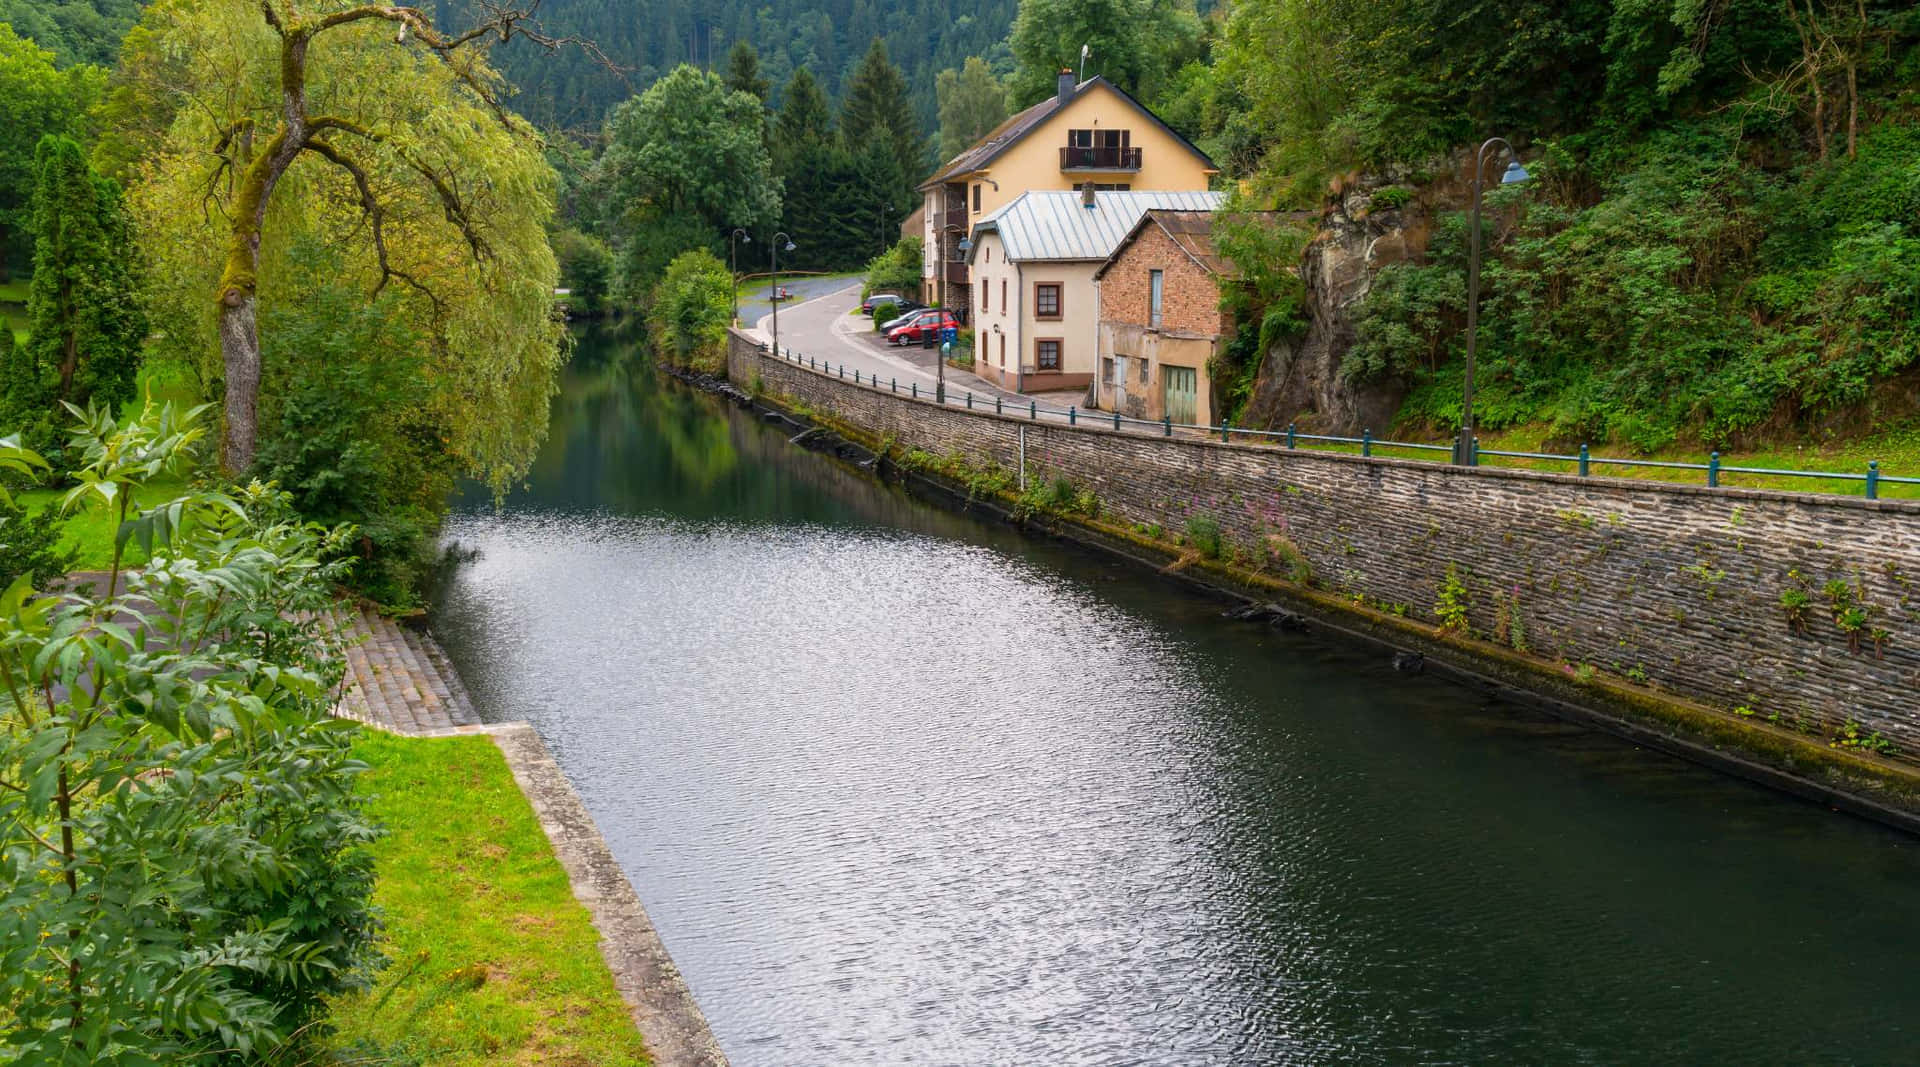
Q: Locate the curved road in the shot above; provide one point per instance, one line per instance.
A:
(830, 328)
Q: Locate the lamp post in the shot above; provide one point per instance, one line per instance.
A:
(779, 240)
(733, 264)
(1463, 452)
(883, 228)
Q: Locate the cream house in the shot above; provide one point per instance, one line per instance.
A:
(1090, 132)
(1033, 263)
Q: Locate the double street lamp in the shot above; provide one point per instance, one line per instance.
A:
(781, 242)
(1463, 451)
(733, 264)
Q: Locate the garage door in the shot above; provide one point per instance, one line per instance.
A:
(1180, 387)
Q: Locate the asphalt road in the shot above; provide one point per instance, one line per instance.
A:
(829, 328)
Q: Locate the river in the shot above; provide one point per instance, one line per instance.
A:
(899, 786)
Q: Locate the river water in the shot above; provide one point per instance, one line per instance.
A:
(898, 786)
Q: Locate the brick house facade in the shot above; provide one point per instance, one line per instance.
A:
(1153, 360)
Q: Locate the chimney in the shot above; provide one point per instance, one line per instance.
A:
(1086, 196)
(1066, 84)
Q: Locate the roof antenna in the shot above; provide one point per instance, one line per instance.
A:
(1083, 64)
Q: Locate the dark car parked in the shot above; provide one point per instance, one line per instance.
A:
(900, 303)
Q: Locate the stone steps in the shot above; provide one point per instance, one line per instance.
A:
(398, 678)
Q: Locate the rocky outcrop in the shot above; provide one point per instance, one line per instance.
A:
(1361, 233)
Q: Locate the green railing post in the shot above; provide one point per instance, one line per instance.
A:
(1584, 460)
(896, 384)
(1366, 442)
(1225, 429)
(1033, 410)
(843, 372)
(996, 406)
(1474, 458)
(1873, 479)
(1073, 415)
(1167, 423)
(1291, 443)
(969, 401)
(856, 375)
(916, 390)
(1713, 470)
(1116, 420)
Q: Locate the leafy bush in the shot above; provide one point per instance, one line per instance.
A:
(884, 312)
(692, 306)
(897, 269)
(30, 545)
(186, 875)
(586, 270)
(350, 428)
(1203, 533)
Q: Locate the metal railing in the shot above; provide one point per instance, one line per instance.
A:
(1367, 445)
(1103, 157)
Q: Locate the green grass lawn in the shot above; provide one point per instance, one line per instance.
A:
(91, 529)
(1897, 449)
(494, 961)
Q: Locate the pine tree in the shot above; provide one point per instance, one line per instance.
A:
(804, 119)
(877, 108)
(743, 71)
(85, 326)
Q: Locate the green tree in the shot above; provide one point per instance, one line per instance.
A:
(1136, 44)
(684, 164)
(85, 324)
(743, 72)
(804, 121)
(876, 108)
(690, 310)
(586, 269)
(76, 31)
(368, 129)
(36, 99)
(972, 103)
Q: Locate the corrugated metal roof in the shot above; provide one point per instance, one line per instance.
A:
(1057, 224)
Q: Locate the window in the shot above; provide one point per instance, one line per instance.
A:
(1106, 371)
(1143, 371)
(1003, 350)
(1046, 354)
(1156, 293)
(1112, 187)
(983, 294)
(976, 198)
(1046, 300)
(1003, 296)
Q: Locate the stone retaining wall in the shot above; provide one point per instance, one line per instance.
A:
(1676, 586)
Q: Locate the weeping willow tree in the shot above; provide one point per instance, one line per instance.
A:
(255, 127)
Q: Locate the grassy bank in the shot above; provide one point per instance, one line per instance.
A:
(494, 961)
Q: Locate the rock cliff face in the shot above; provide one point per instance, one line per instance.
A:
(1299, 379)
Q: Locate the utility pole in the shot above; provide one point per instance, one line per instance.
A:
(733, 264)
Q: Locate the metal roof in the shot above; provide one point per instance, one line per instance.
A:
(1057, 224)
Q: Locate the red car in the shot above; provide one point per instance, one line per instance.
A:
(922, 328)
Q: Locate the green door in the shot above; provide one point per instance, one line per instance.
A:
(1180, 386)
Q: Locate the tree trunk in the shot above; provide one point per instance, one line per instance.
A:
(240, 352)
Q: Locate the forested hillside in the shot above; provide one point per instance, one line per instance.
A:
(573, 89)
(75, 31)
(1720, 245)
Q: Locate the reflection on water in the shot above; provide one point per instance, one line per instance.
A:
(899, 787)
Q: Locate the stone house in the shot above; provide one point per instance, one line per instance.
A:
(1033, 263)
(1160, 321)
(1089, 132)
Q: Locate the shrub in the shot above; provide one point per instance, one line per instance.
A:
(897, 269)
(884, 311)
(186, 875)
(1203, 533)
(30, 545)
(692, 305)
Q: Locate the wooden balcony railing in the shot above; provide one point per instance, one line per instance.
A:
(1115, 158)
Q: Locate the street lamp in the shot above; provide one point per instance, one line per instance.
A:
(1463, 453)
(883, 229)
(779, 240)
(733, 264)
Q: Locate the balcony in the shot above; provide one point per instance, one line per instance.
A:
(957, 272)
(1100, 158)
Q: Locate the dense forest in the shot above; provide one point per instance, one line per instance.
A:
(641, 40)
